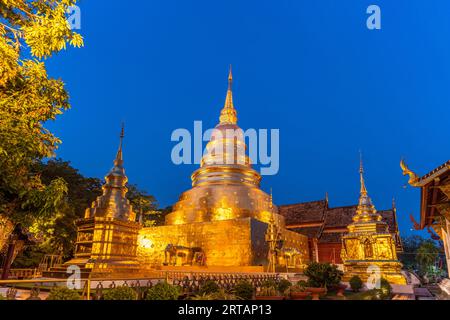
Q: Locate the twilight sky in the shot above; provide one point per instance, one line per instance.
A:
(309, 68)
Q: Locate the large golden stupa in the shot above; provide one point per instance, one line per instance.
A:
(222, 221)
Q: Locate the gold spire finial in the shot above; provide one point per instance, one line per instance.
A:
(230, 79)
(228, 113)
(119, 157)
(361, 175)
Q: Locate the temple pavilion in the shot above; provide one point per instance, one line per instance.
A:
(434, 203)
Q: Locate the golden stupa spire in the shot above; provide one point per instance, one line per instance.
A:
(363, 190)
(228, 113)
(119, 157)
(113, 202)
(365, 208)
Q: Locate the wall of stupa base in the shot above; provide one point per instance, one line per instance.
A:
(389, 270)
(227, 243)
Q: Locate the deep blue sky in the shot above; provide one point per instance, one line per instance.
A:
(310, 68)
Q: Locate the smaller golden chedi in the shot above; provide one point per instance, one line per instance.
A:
(107, 236)
(368, 249)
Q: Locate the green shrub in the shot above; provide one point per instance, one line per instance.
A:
(356, 283)
(220, 295)
(366, 295)
(63, 293)
(244, 290)
(163, 291)
(269, 283)
(208, 287)
(385, 290)
(297, 288)
(120, 293)
(268, 292)
(284, 285)
(323, 275)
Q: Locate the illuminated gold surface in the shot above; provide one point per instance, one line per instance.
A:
(368, 245)
(228, 243)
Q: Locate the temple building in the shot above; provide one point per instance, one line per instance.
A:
(369, 248)
(324, 226)
(434, 204)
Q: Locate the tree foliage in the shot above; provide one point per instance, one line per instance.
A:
(30, 32)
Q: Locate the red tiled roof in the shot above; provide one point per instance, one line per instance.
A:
(329, 218)
(303, 212)
(310, 232)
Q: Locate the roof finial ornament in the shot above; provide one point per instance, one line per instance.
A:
(119, 158)
(413, 178)
(230, 80)
(361, 175)
(228, 113)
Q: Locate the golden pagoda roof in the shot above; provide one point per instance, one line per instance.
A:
(365, 211)
(113, 203)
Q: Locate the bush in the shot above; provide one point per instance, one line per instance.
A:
(356, 283)
(63, 293)
(284, 285)
(120, 293)
(208, 287)
(220, 295)
(323, 275)
(268, 292)
(244, 290)
(269, 283)
(163, 291)
(297, 288)
(385, 290)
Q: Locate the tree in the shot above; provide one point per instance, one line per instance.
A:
(144, 205)
(427, 254)
(30, 32)
(410, 246)
(59, 232)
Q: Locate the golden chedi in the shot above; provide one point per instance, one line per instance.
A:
(368, 249)
(225, 186)
(222, 220)
(107, 236)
